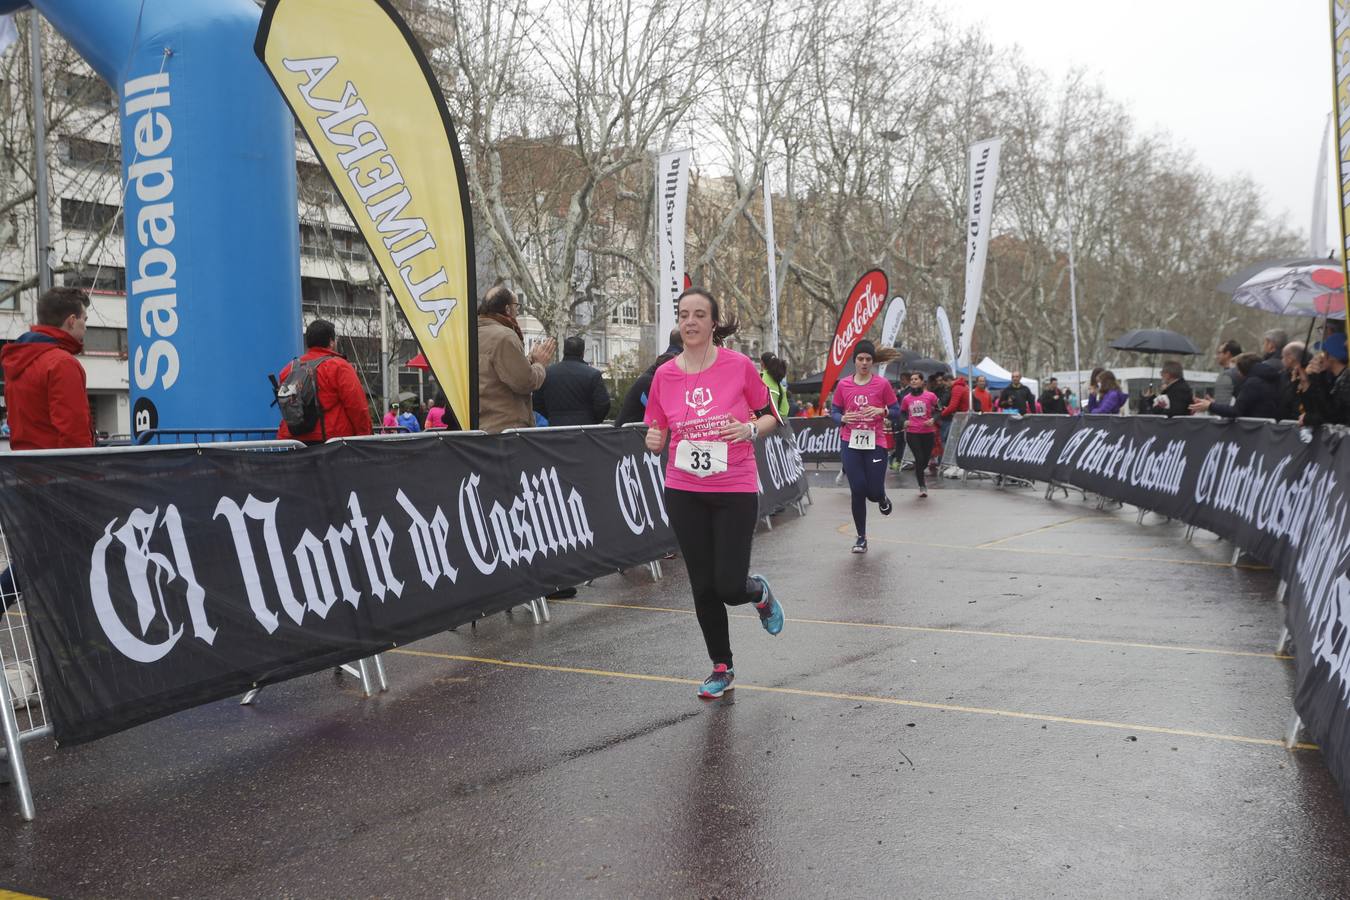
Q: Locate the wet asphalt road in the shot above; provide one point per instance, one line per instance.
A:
(1004, 698)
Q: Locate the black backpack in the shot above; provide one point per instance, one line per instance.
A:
(298, 396)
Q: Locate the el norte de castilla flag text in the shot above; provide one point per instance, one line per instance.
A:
(368, 102)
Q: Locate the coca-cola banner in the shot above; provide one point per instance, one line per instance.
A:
(159, 580)
(1279, 492)
(860, 311)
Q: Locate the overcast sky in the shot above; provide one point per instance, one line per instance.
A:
(1245, 83)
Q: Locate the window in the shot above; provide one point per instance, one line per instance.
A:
(98, 155)
(314, 184)
(85, 90)
(624, 314)
(97, 278)
(322, 241)
(10, 303)
(105, 342)
(86, 215)
(320, 293)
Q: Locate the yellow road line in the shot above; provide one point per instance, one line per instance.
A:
(864, 698)
(1033, 531)
(847, 528)
(928, 629)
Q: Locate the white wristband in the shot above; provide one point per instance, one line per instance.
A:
(754, 430)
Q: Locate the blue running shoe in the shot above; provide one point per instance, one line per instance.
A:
(771, 612)
(718, 683)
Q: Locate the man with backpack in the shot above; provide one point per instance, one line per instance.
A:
(319, 394)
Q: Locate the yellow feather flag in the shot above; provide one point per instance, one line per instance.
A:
(366, 98)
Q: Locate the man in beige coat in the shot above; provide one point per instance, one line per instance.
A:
(506, 376)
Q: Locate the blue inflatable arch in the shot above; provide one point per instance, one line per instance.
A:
(212, 237)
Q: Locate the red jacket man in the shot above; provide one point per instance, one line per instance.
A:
(960, 401)
(44, 382)
(342, 401)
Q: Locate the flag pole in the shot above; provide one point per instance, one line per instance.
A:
(1073, 301)
(44, 239)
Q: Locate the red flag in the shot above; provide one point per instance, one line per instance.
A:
(864, 305)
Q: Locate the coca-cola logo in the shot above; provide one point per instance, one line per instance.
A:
(864, 311)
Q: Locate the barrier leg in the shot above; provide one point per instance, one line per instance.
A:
(1281, 590)
(1190, 533)
(801, 508)
(1237, 555)
(1282, 642)
(379, 672)
(1291, 733)
(248, 698)
(768, 524)
(655, 568)
(543, 609)
(18, 771)
(1139, 520)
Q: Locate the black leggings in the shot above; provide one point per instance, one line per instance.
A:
(921, 445)
(866, 473)
(714, 531)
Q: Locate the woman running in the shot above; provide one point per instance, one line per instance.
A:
(919, 406)
(711, 403)
(861, 404)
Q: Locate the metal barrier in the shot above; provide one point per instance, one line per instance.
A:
(156, 436)
(389, 429)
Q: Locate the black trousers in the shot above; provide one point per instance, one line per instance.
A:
(921, 445)
(714, 531)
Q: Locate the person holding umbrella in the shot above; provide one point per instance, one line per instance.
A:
(1174, 399)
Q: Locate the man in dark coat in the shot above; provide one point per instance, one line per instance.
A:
(1174, 399)
(1327, 403)
(573, 393)
(1017, 396)
(1052, 399)
(1258, 396)
(634, 405)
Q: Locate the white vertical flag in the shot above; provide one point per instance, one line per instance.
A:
(945, 331)
(983, 180)
(672, 190)
(895, 317)
(1317, 234)
(773, 264)
(9, 32)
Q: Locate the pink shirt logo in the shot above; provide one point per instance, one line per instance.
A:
(700, 400)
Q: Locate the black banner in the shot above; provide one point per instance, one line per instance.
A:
(1279, 492)
(156, 581)
(782, 478)
(159, 580)
(817, 438)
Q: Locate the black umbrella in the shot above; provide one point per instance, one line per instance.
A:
(1155, 340)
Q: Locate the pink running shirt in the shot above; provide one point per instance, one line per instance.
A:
(695, 407)
(921, 409)
(848, 394)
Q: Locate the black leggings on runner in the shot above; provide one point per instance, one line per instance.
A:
(921, 445)
(714, 531)
(866, 474)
